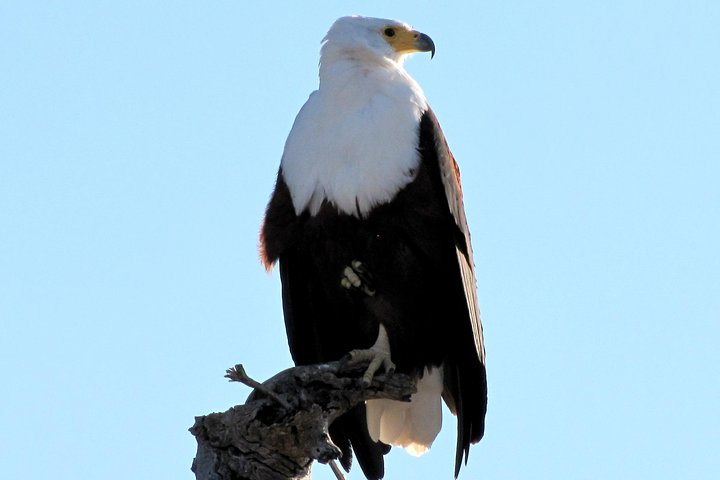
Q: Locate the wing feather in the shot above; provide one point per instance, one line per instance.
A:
(450, 176)
(465, 381)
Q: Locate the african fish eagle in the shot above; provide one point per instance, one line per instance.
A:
(367, 223)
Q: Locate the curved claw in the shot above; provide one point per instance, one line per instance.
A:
(357, 276)
(377, 359)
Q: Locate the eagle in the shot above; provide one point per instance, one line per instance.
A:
(368, 226)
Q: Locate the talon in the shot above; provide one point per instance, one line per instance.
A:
(368, 291)
(377, 359)
(372, 368)
(378, 355)
(356, 275)
(352, 277)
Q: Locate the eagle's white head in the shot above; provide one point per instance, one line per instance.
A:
(373, 38)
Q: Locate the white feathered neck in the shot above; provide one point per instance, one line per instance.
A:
(354, 142)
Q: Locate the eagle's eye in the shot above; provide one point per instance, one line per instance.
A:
(389, 32)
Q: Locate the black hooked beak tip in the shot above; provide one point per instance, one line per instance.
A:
(425, 44)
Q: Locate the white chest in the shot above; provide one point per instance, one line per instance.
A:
(354, 142)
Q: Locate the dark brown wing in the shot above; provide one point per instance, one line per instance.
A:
(465, 378)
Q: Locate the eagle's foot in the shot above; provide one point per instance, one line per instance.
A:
(377, 359)
(357, 276)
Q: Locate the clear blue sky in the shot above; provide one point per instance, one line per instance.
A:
(139, 142)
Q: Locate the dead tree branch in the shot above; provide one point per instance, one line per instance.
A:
(283, 426)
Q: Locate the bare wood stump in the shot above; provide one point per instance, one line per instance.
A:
(283, 426)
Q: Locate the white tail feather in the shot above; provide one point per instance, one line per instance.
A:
(411, 425)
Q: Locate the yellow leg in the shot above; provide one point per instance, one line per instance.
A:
(378, 355)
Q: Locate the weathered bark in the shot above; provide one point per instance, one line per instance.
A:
(283, 426)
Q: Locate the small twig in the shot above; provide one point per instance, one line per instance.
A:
(238, 374)
(336, 470)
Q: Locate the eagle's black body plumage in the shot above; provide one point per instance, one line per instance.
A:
(417, 248)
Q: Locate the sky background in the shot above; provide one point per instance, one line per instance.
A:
(139, 142)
